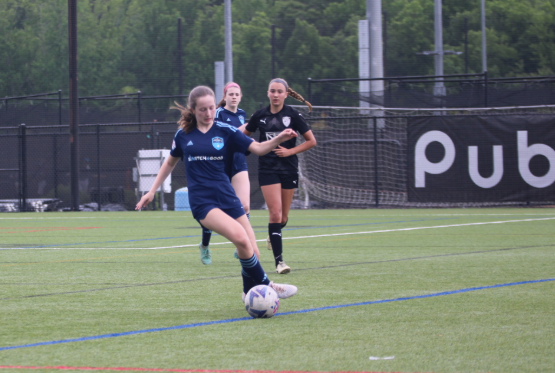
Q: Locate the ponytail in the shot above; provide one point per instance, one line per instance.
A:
(300, 98)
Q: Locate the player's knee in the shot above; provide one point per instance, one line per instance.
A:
(240, 239)
(275, 216)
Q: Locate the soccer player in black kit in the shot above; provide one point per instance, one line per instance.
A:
(278, 171)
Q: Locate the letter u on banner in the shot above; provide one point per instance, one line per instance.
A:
(495, 178)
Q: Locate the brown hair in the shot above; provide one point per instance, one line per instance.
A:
(292, 93)
(188, 122)
(222, 103)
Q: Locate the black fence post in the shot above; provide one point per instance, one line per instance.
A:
(55, 150)
(99, 194)
(60, 107)
(466, 45)
(55, 164)
(179, 59)
(485, 89)
(139, 107)
(376, 188)
(309, 90)
(273, 41)
(22, 168)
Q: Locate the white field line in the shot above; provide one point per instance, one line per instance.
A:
(285, 238)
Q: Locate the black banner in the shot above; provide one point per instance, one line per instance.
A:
(481, 158)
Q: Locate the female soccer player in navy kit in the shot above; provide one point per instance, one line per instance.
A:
(207, 148)
(278, 171)
(228, 112)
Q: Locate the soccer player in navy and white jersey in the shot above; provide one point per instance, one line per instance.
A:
(207, 148)
(228, 112)
(278, 171)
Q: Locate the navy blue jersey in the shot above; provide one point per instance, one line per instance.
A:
(235, 119)
(271, 125)
(208, 158)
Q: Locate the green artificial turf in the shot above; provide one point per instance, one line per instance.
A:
(67, 276)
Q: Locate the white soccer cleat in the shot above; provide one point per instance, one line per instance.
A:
(269, 243)
(284, 290)
(283, 268)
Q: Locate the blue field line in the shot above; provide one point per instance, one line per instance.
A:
(187, 326)
(215, 234)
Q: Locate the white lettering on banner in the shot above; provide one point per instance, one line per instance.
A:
(495, 178)
(423, 165)
(525, 153)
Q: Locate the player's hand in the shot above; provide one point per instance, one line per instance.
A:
(287, 134)
(145, 200)
(283, 152)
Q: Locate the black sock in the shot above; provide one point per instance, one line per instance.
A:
(284, 224)
(274, 230)
(206, 235)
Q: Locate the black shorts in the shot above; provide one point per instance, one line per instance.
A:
(287, 181)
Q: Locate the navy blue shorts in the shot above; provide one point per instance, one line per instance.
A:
(287, 181)
(239, 164)
(234, 212)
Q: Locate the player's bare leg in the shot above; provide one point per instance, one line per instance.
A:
(242, 186)
(273, 196)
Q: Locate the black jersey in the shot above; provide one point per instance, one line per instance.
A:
(271, 125)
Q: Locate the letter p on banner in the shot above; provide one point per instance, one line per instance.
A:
(421, 163)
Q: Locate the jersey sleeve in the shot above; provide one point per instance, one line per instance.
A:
(241, 142)
(219, 114)
(300, 124)
(176, 150)
(252, 126)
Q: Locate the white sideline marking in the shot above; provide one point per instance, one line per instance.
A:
(285, 238)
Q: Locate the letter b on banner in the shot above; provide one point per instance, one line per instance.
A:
(525, 154)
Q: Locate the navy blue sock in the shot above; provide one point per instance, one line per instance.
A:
(252, 268)
(248, 283)
(284, 224)
(274, 230)
(206, 235)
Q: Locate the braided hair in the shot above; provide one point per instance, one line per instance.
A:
(292, 93)
(187, 121)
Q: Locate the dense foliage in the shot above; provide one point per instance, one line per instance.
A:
(130, 45)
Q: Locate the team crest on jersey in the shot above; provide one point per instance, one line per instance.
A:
(242, 119)
(286, 121)
(217, 142)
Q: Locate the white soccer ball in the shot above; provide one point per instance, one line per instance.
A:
(261, 302)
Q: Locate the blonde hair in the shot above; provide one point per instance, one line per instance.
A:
(222, 103)
(187, 121)
(292, 93)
